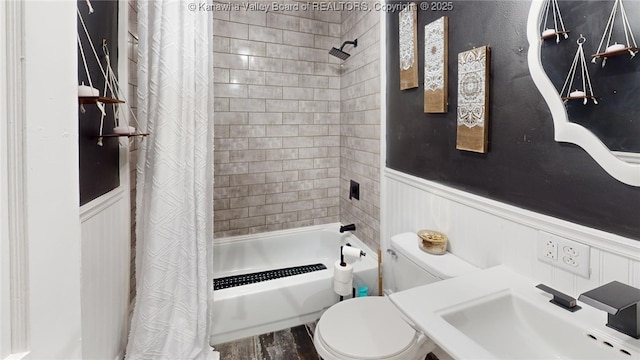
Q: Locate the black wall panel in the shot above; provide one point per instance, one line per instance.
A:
(616, 117)
(99, 165)
(524, 167)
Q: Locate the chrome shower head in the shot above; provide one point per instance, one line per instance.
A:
(339, 53)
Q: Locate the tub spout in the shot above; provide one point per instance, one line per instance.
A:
(350, 227)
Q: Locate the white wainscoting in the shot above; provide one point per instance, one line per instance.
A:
(105, 275)
(106, 248)
(486, 232)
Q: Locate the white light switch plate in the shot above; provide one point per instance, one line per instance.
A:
(566, 254)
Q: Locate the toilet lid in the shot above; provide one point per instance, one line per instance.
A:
(365, 328)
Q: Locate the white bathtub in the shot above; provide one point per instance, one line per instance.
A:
(273, 305)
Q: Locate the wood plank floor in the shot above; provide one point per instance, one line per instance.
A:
(295, 343)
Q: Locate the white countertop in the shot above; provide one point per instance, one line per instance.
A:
(426, 305)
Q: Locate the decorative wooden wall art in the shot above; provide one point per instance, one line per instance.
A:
(473, 100)
(408, 47)
(436, 47)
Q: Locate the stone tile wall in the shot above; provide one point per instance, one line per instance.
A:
(360, 125)
(293, 125)
(277, 120)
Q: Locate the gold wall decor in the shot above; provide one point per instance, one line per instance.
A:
(473, 100)
(436, 47)
(408, 32)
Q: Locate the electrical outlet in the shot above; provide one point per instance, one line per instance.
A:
(564, 253)
(570, 261)
(547, 247)
(569, 250)
(551, 249)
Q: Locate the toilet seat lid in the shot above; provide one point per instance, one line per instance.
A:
(365, 328)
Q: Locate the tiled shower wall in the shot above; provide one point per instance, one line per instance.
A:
(277, 120)
(360, 125)
(293, 125)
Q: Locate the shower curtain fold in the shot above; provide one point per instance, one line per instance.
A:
(174, 202)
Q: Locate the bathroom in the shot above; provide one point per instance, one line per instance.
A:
(293, 127)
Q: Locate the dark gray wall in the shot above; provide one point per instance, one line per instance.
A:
(524, 167)
(99, 165)
(616, 117)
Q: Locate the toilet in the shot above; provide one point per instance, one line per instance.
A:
(372, 327)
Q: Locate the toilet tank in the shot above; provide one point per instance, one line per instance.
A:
(411, 266)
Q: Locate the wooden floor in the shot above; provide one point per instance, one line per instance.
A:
(295, 343)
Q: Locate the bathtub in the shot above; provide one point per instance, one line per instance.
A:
(272, 305)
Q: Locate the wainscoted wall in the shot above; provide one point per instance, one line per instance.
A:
(493, 206)
(106, 228)
(486, 233)
(360, 124)
(277, 116)
(524, 166)
(105, 275)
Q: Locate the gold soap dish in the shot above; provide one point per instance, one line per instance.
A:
(433, 242)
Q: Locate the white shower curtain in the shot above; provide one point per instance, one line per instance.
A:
(175, 183)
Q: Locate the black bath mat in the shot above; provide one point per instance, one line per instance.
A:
(252, 278)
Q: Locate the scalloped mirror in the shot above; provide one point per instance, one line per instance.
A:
(625, 167)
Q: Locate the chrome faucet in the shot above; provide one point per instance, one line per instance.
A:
(620, 301)
(350, 227)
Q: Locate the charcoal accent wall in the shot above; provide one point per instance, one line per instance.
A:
(99, 165)
(524, 167)
(616, 118)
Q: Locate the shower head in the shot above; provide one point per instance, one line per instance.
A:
(341, 54)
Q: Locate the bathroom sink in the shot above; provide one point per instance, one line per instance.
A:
(511, 327)
(499, 314)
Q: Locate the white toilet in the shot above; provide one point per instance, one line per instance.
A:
(372, 327)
